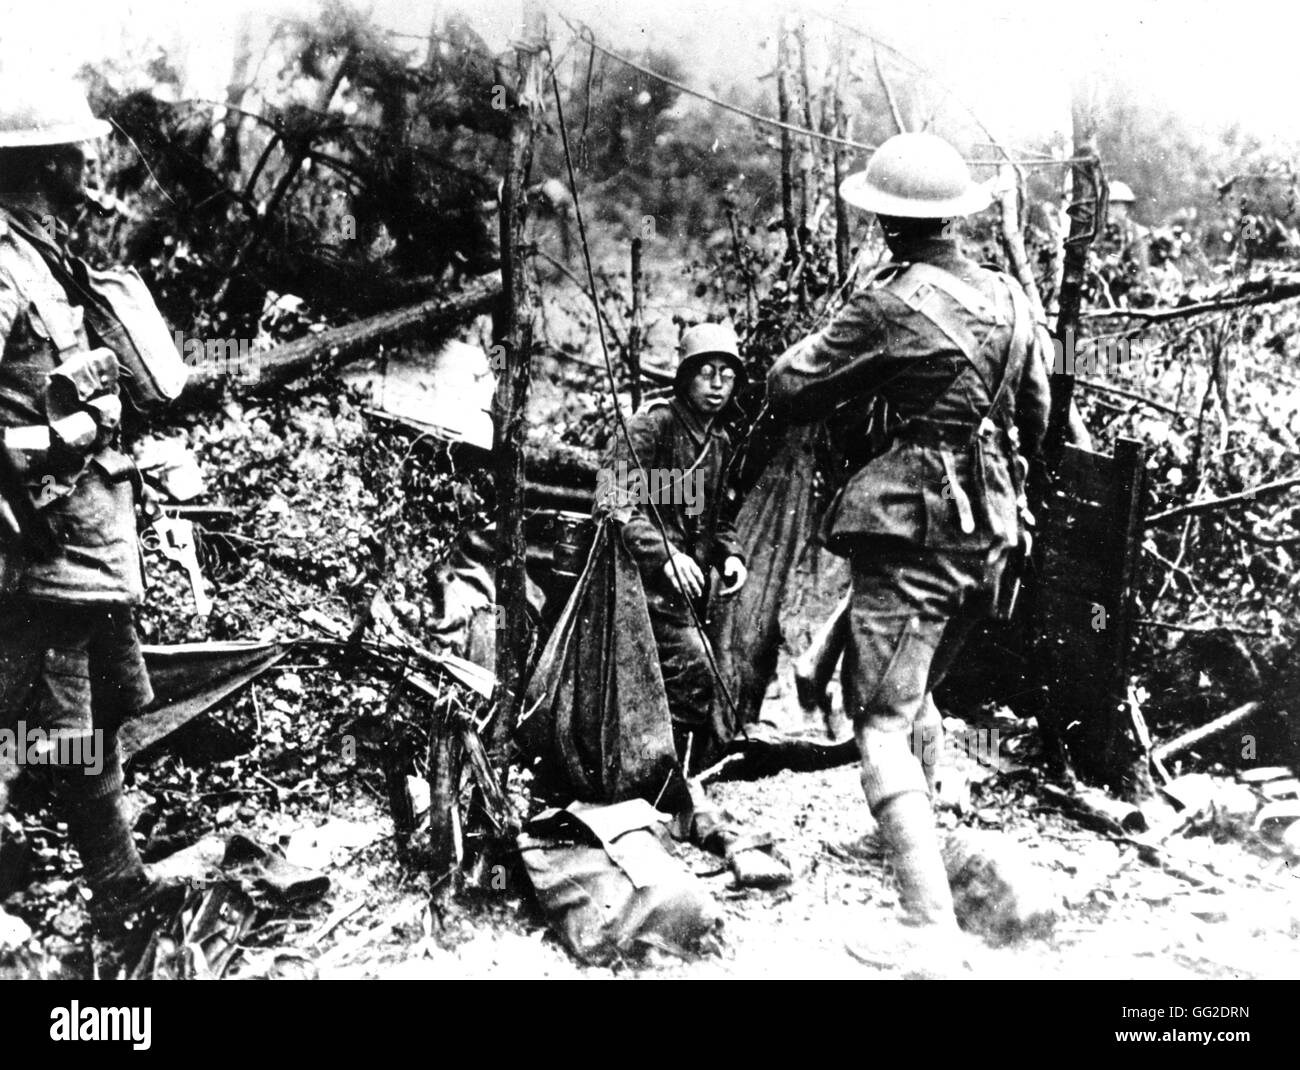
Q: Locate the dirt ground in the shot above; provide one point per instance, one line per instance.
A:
(1119, 917)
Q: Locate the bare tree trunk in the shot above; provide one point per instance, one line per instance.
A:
(808, 162)
(787, 151)
(841, 131)
(1087, 217)
(509, 404)
(635, 331)
(1013, 240)
(230, 148)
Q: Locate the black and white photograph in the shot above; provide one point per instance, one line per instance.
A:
(559, 489)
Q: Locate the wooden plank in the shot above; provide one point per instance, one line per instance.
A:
(1085, 476)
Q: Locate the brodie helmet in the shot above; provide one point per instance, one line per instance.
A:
(916, 176)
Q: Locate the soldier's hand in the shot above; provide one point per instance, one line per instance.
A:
(684, 574)
(735, 572)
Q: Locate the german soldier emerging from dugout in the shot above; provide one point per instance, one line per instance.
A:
(931, 526)
(70, 661)
(676, 468)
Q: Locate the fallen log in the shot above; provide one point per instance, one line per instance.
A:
(340, 345)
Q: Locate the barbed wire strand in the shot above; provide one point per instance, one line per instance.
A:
(587, 36)
(618, 408)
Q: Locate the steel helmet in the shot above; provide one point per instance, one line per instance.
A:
(697, 343)
(915, 176)
(1121, 193)
(41, 108)
(706, 340)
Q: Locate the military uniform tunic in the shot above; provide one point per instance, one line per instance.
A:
(929, 524)
(687, 462)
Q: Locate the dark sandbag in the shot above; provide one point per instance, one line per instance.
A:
(596, 721)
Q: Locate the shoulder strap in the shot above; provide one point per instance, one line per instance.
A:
(61, 334)
(936, 294)
(921, 277)
(1017, 352)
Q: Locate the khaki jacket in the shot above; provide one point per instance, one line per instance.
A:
(881, 346)
(89, 500)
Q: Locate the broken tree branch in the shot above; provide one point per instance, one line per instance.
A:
(889, 93)
(1213, 504)
(1188, 740)
(1105, 388)
(1277, 291)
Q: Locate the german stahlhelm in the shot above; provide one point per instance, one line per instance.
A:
(1121, 193)
(41, 108)
(915, 176)
(701, 343)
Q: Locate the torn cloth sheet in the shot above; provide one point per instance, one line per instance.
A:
(774, 524)
(192, 677)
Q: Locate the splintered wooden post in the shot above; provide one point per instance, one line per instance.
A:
(635, 332)
(1087, 201)
(512, 361)
(444, 806)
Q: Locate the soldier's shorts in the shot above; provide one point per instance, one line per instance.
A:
(66, 669)
(911, 610)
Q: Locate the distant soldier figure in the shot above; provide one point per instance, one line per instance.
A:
(679, 459)
(929, 526)
(1124, 248)
(70, 661)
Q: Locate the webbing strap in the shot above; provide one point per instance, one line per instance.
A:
(937, 295)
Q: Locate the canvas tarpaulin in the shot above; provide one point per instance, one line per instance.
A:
(596, 717)
(192, 677)
(775, 522)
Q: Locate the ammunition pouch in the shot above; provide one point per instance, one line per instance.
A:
(82, 376)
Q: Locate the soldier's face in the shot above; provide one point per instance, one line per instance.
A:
(68, 174)
(711, 386)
